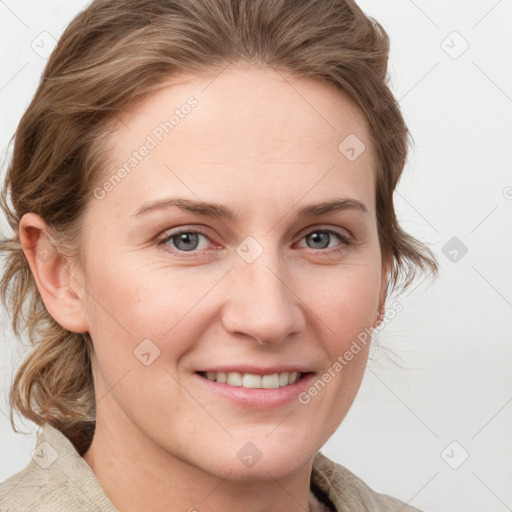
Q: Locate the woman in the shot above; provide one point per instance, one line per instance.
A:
(201, 198)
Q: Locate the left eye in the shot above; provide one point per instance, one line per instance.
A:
(321, 239)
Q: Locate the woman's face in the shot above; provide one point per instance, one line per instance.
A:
(220, 249)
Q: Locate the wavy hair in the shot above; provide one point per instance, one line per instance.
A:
(114, 53)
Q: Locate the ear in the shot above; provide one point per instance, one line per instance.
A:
(387, 266)
(60, 291)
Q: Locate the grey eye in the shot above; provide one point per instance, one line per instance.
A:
(319, 239)
(186, 241)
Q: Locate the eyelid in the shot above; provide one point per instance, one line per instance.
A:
(342, 232)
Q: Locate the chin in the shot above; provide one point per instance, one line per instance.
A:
(260, 459)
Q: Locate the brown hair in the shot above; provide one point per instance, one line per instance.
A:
(114, 53)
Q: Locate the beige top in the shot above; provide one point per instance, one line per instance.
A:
(58, 479)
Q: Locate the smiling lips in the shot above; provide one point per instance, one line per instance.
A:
(252, 380)
(256, 387)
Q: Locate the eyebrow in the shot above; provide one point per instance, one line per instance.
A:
(221, 211)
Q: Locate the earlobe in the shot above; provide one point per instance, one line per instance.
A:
(51, 272)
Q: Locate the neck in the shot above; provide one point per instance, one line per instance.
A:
(137, 475)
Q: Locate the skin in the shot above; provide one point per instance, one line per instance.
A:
(265, 149)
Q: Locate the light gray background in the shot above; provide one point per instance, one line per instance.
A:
(454, 336)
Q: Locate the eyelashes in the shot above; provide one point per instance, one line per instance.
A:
(195, 238)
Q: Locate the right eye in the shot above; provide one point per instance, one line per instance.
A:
(184, 240)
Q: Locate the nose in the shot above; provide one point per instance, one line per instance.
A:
(261, 301)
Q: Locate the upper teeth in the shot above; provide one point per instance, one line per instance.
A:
(250, 380)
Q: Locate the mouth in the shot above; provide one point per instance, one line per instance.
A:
(255, 381)
(256, 388)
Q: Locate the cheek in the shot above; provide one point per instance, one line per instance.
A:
(130, 301)
(347, 308)
(132, 326)
(347, 303)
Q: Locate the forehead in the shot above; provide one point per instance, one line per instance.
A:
(244, 125)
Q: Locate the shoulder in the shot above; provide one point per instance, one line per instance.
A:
(348, 492)
(56, 479)
(33, 489)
